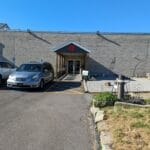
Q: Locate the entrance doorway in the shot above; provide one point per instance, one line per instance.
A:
(73, 66)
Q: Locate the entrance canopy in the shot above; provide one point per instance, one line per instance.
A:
(71, 58)
(71, 48)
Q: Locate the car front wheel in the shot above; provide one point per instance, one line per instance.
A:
(41, 86)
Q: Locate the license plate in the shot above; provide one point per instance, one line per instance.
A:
(20, 84)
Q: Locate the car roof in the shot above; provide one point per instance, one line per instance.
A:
(6, 62)
(35, 62)
(3, 61)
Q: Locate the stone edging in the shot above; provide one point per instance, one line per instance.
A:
(130, 104)
(105, 136)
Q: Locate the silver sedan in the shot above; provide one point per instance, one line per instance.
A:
(31, 75)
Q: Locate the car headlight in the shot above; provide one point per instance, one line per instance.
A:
(35, 77)
(12, 77)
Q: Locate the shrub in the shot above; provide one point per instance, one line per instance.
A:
(104, 99)
(147, 101)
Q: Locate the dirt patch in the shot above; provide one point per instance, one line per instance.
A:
(130, 127)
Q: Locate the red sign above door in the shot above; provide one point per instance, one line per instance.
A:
(71, 48)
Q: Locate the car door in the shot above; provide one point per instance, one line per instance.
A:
(11, 67)
(5, 70)
(1, 73)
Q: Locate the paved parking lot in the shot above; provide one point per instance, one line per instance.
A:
(55, 119)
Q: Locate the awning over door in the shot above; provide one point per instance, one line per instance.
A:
(71, 48)
(71, 58)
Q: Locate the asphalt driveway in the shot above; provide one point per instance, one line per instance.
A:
(51, 120)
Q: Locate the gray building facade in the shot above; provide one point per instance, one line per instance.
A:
(104, 53)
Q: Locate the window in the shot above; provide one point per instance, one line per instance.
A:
(30, 68)
(47, 67)
(6, 65)
(10, 65)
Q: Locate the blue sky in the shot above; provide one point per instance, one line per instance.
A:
(77, 15)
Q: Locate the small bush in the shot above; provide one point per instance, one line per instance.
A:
(104, 99)
(147, 101)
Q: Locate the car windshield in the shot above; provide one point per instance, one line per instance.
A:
(30, 68)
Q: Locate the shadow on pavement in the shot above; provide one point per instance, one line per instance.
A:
(3, 87)
(57, 86)
(62, 86)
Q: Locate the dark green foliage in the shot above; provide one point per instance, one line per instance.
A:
(147, 101)
(104, 99)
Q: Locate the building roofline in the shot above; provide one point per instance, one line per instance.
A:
(78, 32)
(68, 43)
(4, 27)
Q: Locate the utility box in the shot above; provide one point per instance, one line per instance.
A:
(85, 74)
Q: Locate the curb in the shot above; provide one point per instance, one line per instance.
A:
(131, 105)
(104, 134)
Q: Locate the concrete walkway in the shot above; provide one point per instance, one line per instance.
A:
(134, 85)
(73, 78)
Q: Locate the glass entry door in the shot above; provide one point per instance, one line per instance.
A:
(74, 66)
(70, 66)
